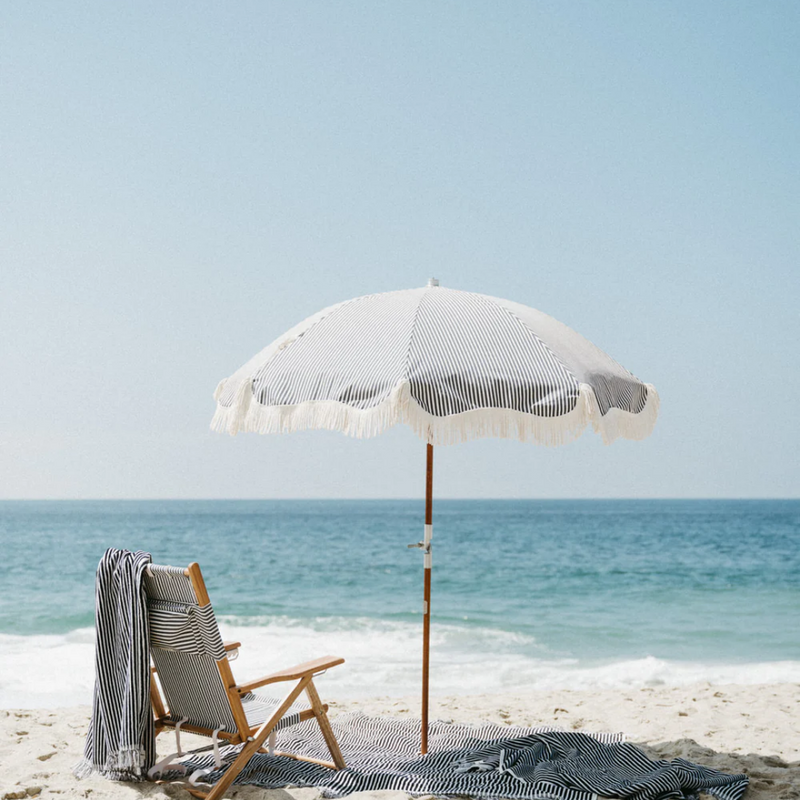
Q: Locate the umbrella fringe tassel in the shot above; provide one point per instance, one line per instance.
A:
(619, 424)
(245, 413)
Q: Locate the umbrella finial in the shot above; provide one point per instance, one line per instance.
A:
(433, 281)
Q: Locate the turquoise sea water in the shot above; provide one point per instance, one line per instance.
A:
(525, 593)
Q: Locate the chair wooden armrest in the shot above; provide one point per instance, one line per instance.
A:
(231, 646)
(291, 674)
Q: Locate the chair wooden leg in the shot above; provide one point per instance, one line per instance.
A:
(318, 761)
(325, 725)
(252, 746)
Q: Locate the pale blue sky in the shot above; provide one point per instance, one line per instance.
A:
(180, 182)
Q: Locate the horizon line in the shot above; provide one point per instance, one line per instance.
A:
(366, 499)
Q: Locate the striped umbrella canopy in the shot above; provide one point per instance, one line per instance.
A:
(452, 365)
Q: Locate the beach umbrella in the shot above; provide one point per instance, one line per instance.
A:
(453, 366)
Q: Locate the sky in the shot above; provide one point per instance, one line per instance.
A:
(181, 182)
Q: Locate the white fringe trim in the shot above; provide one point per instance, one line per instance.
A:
(619, 424)
(122, 765)
(245, 414)
(83, 769)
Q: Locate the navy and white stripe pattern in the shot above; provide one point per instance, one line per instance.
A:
(185, 645)
(121, 742)
(193, 689)
(184, 627)
(486, 761)
(259, 708)
(453, 365)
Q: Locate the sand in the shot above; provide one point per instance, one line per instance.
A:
(751, 729)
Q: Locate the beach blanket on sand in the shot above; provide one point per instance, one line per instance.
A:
(120, 744)
(488, 761)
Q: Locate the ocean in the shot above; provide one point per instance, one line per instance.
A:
(527, 594)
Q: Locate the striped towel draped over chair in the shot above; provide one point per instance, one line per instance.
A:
(148, 611)
(120, 744)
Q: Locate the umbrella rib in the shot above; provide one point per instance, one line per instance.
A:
(406, 364)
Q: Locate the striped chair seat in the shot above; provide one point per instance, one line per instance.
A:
(259, 709)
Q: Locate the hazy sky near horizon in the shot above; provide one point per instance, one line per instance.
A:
(181, 182)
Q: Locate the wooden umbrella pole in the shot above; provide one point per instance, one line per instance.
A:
(426, 620)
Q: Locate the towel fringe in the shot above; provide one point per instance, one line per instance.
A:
(122, 765)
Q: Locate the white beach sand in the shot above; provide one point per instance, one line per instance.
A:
(753, 729)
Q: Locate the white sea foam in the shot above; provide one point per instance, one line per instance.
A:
(383, 658)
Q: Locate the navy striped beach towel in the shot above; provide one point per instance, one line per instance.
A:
(486, 761)
(120, 744)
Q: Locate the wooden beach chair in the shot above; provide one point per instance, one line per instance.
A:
(192, 686)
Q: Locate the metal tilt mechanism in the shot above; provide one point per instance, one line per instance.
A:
(425, 546)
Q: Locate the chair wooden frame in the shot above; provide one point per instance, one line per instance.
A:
(253, 737)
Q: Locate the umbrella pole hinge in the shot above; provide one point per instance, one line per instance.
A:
(425, 545)
(426, 552)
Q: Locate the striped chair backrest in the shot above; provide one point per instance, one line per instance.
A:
(185, 645)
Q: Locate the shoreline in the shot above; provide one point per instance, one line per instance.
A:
(735, 728)
(57, 670)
